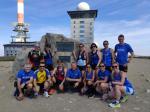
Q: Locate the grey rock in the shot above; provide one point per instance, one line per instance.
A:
(3, 88)
(147, 80)
(136, 108)
(66, 109)
(70, 101)
(147, 90)
(146, 102)
(142, 75)
(49, 39)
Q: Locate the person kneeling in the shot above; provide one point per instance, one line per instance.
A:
(73, 78)
(102, 81)
(60, 74)
(42, 80)
(88, 82)
(24, 84)
(121, 87)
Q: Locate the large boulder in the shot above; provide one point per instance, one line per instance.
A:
(61, 45)
(65, 52)
(20, 60)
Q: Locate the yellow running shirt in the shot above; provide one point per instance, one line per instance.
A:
(41, 76)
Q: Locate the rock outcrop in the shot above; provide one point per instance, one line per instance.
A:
(60, 44)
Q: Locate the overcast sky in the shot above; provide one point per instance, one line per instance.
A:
(128, 17)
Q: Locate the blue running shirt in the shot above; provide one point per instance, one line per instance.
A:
(122, 53)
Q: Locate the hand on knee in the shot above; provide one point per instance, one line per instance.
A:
(76, 84)
(89, 83)
(30, 86)
(46, 85)
(61, 87)
(37, 89)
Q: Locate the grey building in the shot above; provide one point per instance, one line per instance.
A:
(13, 48)
(82, 24)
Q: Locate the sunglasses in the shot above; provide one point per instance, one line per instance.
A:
(114, 66)
(105, 44)
(80, 46)
(88, 67)
(93, 46)
(42, 66)
(102, 66)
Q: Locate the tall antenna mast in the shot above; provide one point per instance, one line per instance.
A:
(20, 28)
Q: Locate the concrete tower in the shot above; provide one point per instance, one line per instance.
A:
(82, 23)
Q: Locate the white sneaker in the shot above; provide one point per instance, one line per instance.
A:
(36, 94)
(46, 94)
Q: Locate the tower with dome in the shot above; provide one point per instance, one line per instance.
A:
(82, 23)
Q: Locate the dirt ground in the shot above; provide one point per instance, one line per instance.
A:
(139, 74)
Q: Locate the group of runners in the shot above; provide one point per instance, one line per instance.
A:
(99, 73)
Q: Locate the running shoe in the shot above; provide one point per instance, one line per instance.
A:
(46, 94)
(36, 94)
(115, 104)
(123, 99)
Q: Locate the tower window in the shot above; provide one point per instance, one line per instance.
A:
(74, 22)
(81, 22)
(91, 33)
(91, 23)
(81, 36)
(82, 40)
(81, 26)
(81, 31)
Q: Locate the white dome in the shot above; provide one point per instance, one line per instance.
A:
(83, 6)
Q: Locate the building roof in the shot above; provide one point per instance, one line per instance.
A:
(20, 44)
(83, 14)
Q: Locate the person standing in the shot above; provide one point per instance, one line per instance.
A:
(81, 58)
(121, 51)
(48, 58)
(107, 56)
(95, 56)
(35, 56)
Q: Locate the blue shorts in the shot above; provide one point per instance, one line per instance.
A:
(129, 90)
